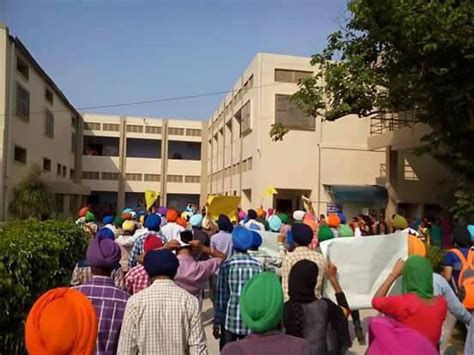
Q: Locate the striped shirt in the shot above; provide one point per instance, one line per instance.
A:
(137, 279)
(232, 277)
(109, 303)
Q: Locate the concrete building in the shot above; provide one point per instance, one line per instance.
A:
(329, 162)
(124, 156)
(418, 185)
(38, 126)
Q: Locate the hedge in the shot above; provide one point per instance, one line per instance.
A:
(34, 257)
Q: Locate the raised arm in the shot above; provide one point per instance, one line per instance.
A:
(387, 284)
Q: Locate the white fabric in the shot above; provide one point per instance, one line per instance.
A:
(171, 231)
(363, 264)
(298, 215)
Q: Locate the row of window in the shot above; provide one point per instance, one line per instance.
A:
(20, 155)
(96, 175)
(234, 169)
(115, 127)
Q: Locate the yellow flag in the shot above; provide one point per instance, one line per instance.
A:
(223, 205)
(270, 191)
(150, 197)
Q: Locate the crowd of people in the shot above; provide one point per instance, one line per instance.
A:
(139, 289)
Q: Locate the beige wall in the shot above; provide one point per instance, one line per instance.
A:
(4, 110)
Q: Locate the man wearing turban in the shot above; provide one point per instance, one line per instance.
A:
(261, 306)
(163, 318)
(152, 226)
(125, 240)
(171, 229)
(103, 256)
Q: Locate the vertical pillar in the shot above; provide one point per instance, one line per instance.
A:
(204, 162)
(122, 164)
(391, 182)
(164, 162)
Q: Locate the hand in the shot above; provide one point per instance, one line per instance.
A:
(196, 244)
(398, 268)
(173, 245)
(331, 270)
(216, 332)
(281, 238)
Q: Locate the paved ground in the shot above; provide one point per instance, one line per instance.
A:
(213, 344)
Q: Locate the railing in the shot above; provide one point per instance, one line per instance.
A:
(387, 122)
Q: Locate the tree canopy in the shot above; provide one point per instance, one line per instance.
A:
(405, 56)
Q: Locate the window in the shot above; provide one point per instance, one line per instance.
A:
(49, 124)
(133, 177)
(90, 175)
(101, 146)
(22, 67)
(74, 121)
(110, 176)
(46, 164)
(243, 116)
(152, 177)
(193, 132)
(22, 102)
(174, 178)
(114, 127)
(71, 174)
(153, 129)
(290, 116)
(48, 95)
(92, 126)
(134, 128)
(176, 131)
(184, 150)
(291, 76)
(58, 169)
(408, 173)
(143, 148)
(192, 178)
(64, 171)
(20, 154)
(73, 142)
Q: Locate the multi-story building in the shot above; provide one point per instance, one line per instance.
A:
(329, 162)
(38, 126)
(124, 156)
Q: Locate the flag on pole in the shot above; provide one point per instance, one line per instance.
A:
(270, 191)
(150, 197)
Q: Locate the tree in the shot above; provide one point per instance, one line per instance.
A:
(31, 198)
(412, 57)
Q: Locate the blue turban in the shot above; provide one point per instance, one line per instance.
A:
(153, 222)
(342, 217)
(256, 240)
(302, 233)
(161, 263)
(108, 219)
(106, 233)
(241, 238)
(103, 253)
(196, 220)
(274, 223)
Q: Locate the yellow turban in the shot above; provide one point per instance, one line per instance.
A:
(61, 322)
(128, 226)
(399, 222)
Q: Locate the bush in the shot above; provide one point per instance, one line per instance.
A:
(34, 257)
(435, 255)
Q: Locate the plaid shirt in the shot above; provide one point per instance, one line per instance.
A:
(109, 303)
(83, 273)
(232, 277)
(302, 253)
(160, 320)
(136, 279)
(137, 248)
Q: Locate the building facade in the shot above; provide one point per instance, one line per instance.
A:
(329, 162)
(38, 127)
(124, 156)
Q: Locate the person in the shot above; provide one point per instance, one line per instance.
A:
(252, 222)
(61, 321)
(108, 300)
(163, 318)
(152, 226)
(381, 228)
(199, 234)
(333, 223)
(298, 216)
(399, 222)
(452, 262)
(302, 236)
(223, 239)
(125, 242)
(193, 274)
(261, 305)
(436, 233)
(319, 321)
(325, 233)
(233, 275)
(268, 263)
(137, 278)
(171, 229)
(417, 307)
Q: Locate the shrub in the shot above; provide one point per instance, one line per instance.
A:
(34, 257)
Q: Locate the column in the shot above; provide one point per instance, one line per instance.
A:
(391, 181)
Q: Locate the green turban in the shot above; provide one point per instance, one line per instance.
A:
(325, 233)
(418, 277)
(345, 231)
(118, 221)
(261, 302)
(284, 218)
(399, 222)
(90, 217)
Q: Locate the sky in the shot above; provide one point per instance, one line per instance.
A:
(102, 52)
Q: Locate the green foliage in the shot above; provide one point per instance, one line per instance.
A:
(414, 56)
(435, 255)
(34, 257)
(463, 206)
(30, 198)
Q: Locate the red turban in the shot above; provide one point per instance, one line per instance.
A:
(83, 211)
(171, 215)
(152, 242)
(62, 321)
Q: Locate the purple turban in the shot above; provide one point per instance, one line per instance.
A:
(162, 211)
(103, 253)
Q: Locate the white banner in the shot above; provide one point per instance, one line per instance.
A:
(363, 263)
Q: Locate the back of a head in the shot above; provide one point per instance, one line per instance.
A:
(161, 263)
(241, 238)
(302, 234)
(302, 281)
(224, 223)
(172, 215)
(461, 236)
(256, 240)
(418, 277)
(251, 214)
(153, 222)
(186, 236)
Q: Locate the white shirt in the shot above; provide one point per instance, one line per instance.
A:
(357, 232)
(253, 221)
(171, 231)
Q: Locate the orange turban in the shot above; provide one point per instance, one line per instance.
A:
(261, 213)
(416, 246)
(182, 222)
(83, 211)
(62, 321)
(333, 220)
(311, 224)
(171, 215)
